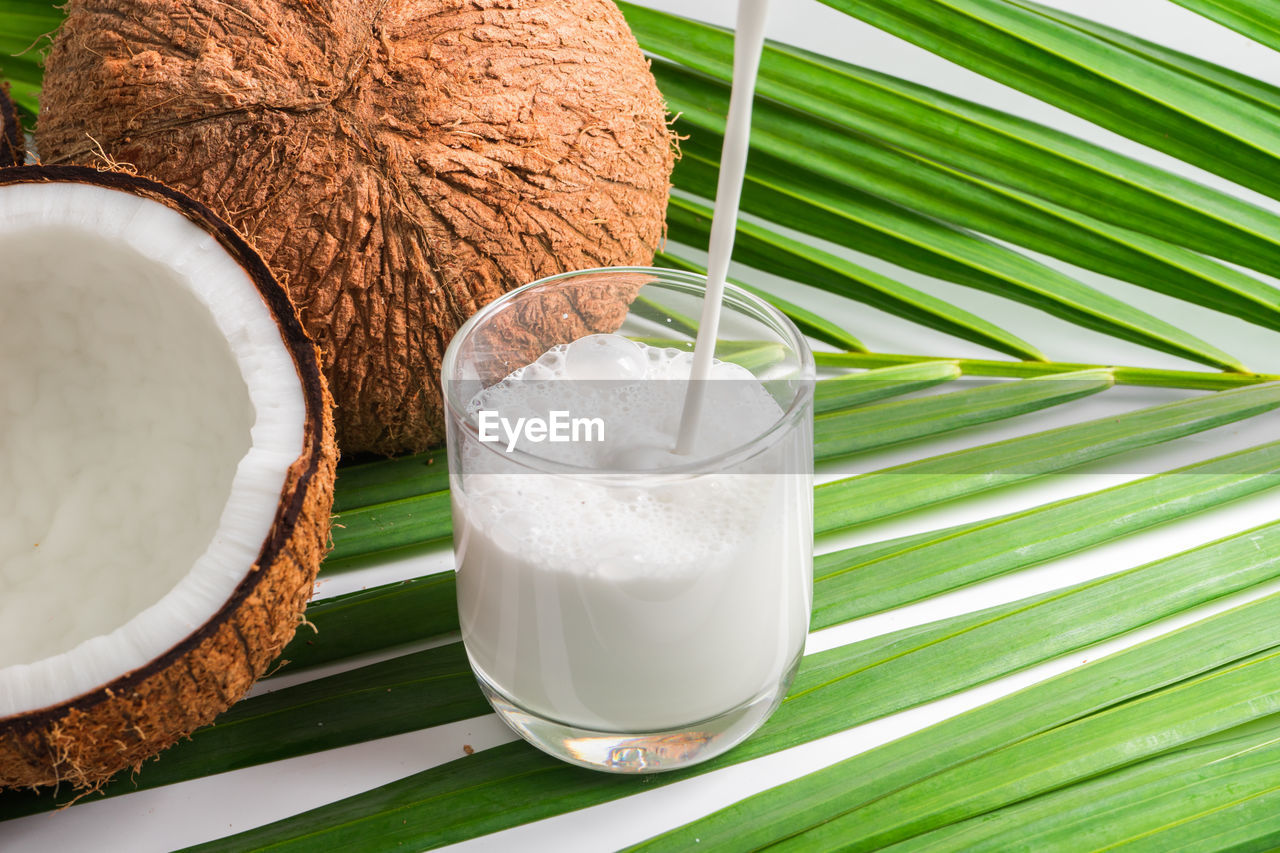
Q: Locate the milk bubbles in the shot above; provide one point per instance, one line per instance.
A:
(636, 393)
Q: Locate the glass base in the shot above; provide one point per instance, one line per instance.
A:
(639, 752)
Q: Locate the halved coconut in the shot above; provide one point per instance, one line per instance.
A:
(166, 471)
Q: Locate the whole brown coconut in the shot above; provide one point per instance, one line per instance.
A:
(398, 163)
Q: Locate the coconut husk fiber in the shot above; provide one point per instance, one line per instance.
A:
(13, 150)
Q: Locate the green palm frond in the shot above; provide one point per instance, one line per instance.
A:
(514, 784)
(1259, 21)
(1173, 741)
(1186, 685)
(1128, 93)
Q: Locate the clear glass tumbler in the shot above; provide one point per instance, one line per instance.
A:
(624, 607)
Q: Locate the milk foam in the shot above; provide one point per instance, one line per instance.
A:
(639, 391)
(586, 526)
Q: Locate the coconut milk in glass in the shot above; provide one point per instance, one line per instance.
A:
(625, 606)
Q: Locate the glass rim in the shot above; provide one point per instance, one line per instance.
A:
(709, 465)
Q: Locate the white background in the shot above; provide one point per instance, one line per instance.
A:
(184, 814)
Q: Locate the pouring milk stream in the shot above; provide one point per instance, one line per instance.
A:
(748, 44)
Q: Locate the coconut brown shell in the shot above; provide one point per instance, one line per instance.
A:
(13, 150)
(399, 164)
(89, 738)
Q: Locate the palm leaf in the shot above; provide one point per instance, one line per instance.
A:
(1123, 375)
(1191, 657)
(23, 26)
(887, 424)
(1231, 783)
(1108, 739)
(1257, 21)
(917, 242)
(890, 575)
(690, 222)
(997, 146)
(1260, 92)
(859, 166)
(374, 619)
(928, 482)
(391, 480)
(514, 784)
(816, 327)
(1072, 69)
(856, 389)
(382, 529)
(923, 180)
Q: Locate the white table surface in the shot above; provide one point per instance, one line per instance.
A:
(178, 815)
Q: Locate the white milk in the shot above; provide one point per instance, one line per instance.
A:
(748, 45)
(637, 601)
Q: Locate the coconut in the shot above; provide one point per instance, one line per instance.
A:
(166, 472)
(12, 141)
(399, 164)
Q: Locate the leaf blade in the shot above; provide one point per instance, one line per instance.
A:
(996, 145)
(893, 491)
(813, 325)
(821, 799)
(1252, 20)
(870, 386)
(514, 784)
(390, 480)
(858, 582)
(689, 222)
(800, 151)
(886, 424)
(1193, 380)
(387, 528)
(1078, 72)
(858, 220)
(1133, 806)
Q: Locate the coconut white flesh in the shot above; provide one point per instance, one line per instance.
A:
(149, 411)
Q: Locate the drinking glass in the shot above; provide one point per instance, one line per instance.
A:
(623, 607)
